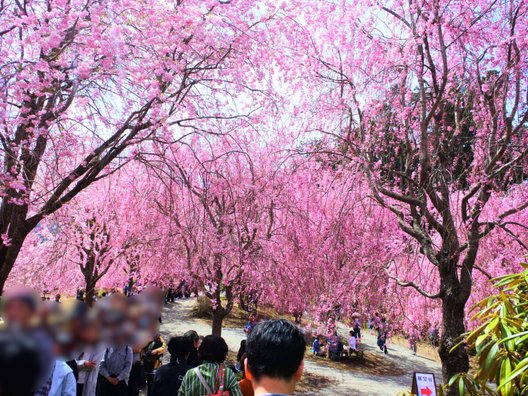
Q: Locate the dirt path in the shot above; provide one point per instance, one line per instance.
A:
(177, 319)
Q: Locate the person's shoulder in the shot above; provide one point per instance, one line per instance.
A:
(62, 367)
(164, 368)
(231, 370)
(61, 372)
(191, 371)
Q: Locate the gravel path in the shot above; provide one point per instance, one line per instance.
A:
(177, 319)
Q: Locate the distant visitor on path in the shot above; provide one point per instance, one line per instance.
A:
(316, 346)
(275, 357)
(352, 341)
(250, 325)
(357, 327)
(414, 337)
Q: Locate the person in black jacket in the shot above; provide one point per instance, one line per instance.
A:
(152, 354)
(194, 359)
(169, 377)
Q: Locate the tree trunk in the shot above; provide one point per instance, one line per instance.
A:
(90, 292)
(456, 361)
(131, 285)
(218, 318)
(242, 303)
(220, 312)
(9, 254)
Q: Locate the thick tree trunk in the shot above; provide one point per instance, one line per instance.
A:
(219, 312)
(243, 302)
(9, 254)
(218, 318)
(457, 360)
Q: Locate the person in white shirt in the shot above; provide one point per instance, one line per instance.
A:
(88, 364)
(89, 361)
(63, 381)
(352, 341)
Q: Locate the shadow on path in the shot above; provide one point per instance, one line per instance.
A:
(323, 377)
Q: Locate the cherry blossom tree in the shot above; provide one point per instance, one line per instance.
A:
(84, 81)
(327, 230)
(315, 150)
(219, 205)
(98, 237)
(92, 241)
(429, 98)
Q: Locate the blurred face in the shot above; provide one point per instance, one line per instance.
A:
(90, 333)
(197, 343)
(19, 313)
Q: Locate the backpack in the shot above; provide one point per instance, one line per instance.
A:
(149, 357)
(221, 376)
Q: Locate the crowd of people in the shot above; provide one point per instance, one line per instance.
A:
(75, 348)
(334, 347)
(114, 348)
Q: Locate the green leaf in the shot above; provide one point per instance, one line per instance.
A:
(519, 369)
(505, 372)
(461, 388)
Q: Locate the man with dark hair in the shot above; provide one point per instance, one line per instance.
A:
(212, 376)
(20, 364)
(20, 310)
(275, 357)
(169, 377)
(194, 358)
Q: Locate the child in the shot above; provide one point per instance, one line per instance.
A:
(352, 342)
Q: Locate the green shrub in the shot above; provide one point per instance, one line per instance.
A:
(202, 308)
(500, 342)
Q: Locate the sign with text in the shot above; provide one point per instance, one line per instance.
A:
(424, 384)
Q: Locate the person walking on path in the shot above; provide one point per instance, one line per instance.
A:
(414, 336)
(250, 325)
